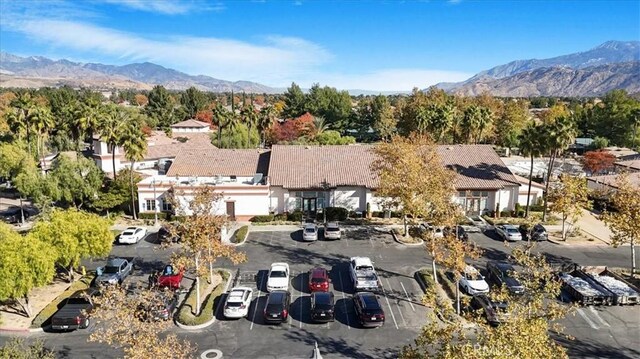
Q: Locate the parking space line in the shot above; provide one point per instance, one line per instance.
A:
(344, 301)
(586, 318)
(371, 242)
(398, 305)
(407, 294)
(255, 310)
(595, 312)
(389, 305)
(301, 284)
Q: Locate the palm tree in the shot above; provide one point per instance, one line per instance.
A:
(558, 135)
(111, 130)
(530, 145)
(88, 116)
(484, 119)
(320, 125)
(134, 145)
(250, 118)
(20, 118)
(470, 121)
(265, 120)
(43, 122)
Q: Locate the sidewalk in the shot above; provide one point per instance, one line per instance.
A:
(591, 224)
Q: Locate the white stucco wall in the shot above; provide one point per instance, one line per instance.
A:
(535, 194)
(189, 129)
(352, 198)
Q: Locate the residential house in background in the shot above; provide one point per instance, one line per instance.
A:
(537, 191)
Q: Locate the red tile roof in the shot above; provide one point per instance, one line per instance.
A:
(612, 180)
(300, 167)
(219, 162)
(159, 145)
(631, 164)
(190, 123)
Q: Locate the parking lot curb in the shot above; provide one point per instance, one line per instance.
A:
(558, 243)
(213, 320)
(395, 238)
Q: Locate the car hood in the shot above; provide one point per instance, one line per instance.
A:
(278, 282)
(107, 277)
(478, 284)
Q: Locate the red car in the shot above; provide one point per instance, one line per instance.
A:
(170, 278)
(319, 280)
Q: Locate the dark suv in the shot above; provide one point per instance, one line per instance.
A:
(322, 307)
(368, 309)
(502, 273)
(495, 312)
(277, 308)
(538, 232)
(457, 231)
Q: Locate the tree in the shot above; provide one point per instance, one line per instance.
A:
(20, 118)
(73, 236)
(89, 116)
(161, 107)
(265, 121)
(333, 105)
(141, 100)
(294, 102)
(13, 159)
(596, 162)
(250, 119)
(569, 197)
(75, 181)
(625, 221)
(16, 348)
(599, 143)
(558, 135)
(470, 122)
(193, 100)
(200, 233)
(117, 192)
(531, 145)
(511, 122)
(121, 321)
(26, 263)
(332, 137)
(134, 145)
(111, 131)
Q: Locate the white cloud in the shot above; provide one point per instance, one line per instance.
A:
(168, 7)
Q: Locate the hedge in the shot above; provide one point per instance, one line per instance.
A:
(51, 308)
(336, 213)
(163, 216)
(241, 234)
(295, 216)
(262, 219)
(447, 284)
(207, 309)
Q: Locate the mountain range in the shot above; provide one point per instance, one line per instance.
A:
(611, 65)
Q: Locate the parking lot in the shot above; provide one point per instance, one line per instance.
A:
(401, 298)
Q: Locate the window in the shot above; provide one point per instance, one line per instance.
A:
(151, 205)
(166, 206)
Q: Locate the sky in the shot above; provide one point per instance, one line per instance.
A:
(367, 45)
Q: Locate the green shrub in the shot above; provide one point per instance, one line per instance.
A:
(43, 317)
(262, 219)
(162, 216)
(241, 234)
(427, 279)
(336, 213)
(295, 216)
(488, 219)
(536, 208)
(447, 283)
(396, 214)
(207, 309)
(377, 214)
(280, 217)
(505, 213)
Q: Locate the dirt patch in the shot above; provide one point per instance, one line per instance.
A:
(38, 299)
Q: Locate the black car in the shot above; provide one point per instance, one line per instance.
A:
(368, 309)
(160, 308)
(457, 231)
(13, 215)
(502, 273)
(322, 307)
(74, 311)
(277, 308)
(165, 236)
(495, 312)
(537, 233)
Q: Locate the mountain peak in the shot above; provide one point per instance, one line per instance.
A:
(618, 45)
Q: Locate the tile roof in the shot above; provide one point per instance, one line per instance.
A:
(219, 162)
(159, 145)
(525, 181)
(632, 164)
(611, 180)
(299, 167)
(190, 123)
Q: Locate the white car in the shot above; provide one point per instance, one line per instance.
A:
(310, 232)
(132, 235)
(472, 282)
(278, 278)
(238, 302)
(509, 232)
(437, 231)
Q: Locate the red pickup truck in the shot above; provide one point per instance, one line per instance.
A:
(170, 278)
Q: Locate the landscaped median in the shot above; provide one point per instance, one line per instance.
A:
(42, 319)
(240, 235)
(186, 317)
(443, 292)
(409, 240)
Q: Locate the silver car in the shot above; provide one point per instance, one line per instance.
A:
(509, 232)
(310, 232)
(332, 231)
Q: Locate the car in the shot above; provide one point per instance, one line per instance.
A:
(165, 235)
(322, 307)
(332, 231)
(170, 278)
(75, 311)
(436, 231)
(458, 231)
(238, 302)
(508, 232)
(132, 235)
(318, 280)
(161, 307)
(277, 308)
(310, 232)
(501, 273)
(537, 233)
(496, 312)
(472, 282)
(368, 309)
(115, 272)
(278, 278)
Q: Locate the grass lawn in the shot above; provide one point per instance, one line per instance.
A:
(208, 306)
(42, 318)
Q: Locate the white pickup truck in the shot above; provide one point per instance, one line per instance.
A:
(363, 275)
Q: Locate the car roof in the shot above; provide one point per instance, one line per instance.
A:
(310, 225)
(503, 266)
(470, 269)
(332, 224)
(369, 299)
(237, 294)
(115, 262)
(279, 266)
(511, 226)
(277, 296)
(362, 261)
(318, 272)
(322, 296)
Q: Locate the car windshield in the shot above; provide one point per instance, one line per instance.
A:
(333, 229)
(370, 302)
(78, 300)
(512, 231)
(234, 304)
(127, 233)
(473, 276)
(274, 308)
(110, 269)
(278, 274)
(318, 280)
(310, 230)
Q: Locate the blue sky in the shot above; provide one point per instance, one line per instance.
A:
(371, 45)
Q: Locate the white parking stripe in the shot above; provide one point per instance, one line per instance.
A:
(586, 318)
(370, 241)
(344, 301)
(389, 305)
(398, 305)
(255, 310)
(595, 312)
(301, 293)
(407, 294)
